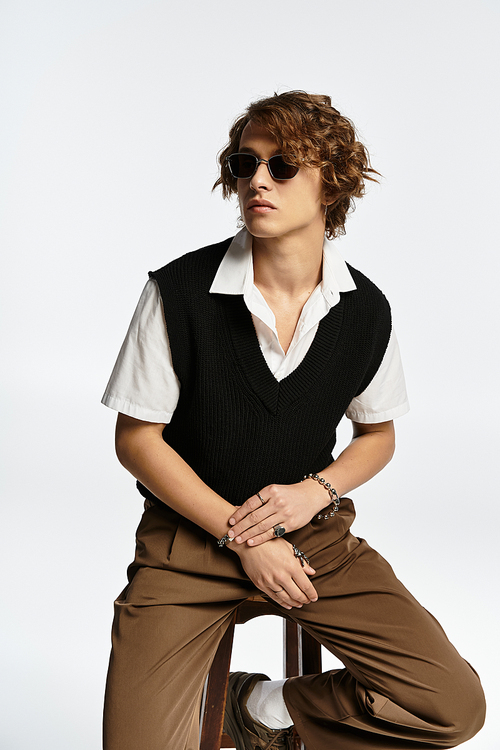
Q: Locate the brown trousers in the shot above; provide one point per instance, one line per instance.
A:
(404, 685)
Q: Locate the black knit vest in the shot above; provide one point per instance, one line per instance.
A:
(235, 424)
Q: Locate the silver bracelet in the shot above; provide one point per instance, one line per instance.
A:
(335, 499)
(224, 540)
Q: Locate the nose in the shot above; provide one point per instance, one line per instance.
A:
(262, 178)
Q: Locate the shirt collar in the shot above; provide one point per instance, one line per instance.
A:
(235, 273)
(236, 269)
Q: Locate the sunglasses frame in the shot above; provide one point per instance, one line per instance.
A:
(260, 161)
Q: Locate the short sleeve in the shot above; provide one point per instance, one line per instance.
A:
(143, 383)
(385, 398)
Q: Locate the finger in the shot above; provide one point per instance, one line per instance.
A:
(253, 538)
(306, 587)
(291, 593)
(307, 568)
(296, 593)
(283, 599)
(280, 603)
(261, 498)
(253, 503)
(248, 530)
(291, 597)
(263, 526)
(299, 589)
(255, 541)
(278, 598)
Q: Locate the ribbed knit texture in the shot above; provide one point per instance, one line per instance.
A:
(235, 424)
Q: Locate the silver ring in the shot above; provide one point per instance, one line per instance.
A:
(302, 558)
(260, 498)
(279, 530)
(278, 591)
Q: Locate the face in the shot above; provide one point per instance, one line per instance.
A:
(279, 208)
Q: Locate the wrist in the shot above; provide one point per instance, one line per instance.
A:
(324, 488)
(239, 549)
(228, 541)
(317, 497)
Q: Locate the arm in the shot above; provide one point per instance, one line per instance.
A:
(293, 506)
(143, 452)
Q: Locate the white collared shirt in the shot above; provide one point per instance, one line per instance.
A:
(144, 385)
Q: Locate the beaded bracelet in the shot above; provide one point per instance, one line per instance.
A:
(335, 499)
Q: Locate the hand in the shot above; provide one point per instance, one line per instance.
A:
(289, 505)
(275, 570)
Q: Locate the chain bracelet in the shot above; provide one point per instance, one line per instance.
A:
(224, 540)
(335, 499)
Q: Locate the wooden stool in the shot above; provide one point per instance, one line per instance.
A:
(302, 655)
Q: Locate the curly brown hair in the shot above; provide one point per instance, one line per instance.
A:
(309, 131)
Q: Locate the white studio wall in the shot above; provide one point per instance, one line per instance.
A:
(114, 112)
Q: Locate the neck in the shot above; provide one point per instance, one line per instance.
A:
(286, 265)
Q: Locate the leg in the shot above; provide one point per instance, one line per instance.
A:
(168, 624)
(160, 659)
(404, 685)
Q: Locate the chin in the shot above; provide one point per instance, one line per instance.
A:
(260, 229)
(260, 234)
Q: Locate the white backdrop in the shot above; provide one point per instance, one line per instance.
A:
(113, 112)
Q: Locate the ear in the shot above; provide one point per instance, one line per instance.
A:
(330, 199)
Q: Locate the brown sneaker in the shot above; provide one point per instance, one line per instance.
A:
(246, 733)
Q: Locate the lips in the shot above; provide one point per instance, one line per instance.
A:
(260, 206)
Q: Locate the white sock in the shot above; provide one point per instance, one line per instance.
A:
(266, 705)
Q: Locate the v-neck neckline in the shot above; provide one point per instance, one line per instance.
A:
(277, 395)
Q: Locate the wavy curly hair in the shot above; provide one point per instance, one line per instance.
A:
(309, 131)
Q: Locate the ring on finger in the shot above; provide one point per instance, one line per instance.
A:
(278, 591)
(260, 498)
(279, 530)
(302, 558)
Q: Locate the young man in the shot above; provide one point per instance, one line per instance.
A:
(239, 363)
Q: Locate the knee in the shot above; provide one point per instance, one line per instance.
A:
(465, 714)
(474, 715)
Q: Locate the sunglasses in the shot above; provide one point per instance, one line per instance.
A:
(244, 166)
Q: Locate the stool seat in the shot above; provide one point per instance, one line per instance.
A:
(302, 655)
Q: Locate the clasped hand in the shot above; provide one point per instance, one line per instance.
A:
(272, 567)
(288, 505)
(275, 570)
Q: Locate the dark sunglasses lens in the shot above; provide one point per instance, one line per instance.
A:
(280, 170)
(242, 166)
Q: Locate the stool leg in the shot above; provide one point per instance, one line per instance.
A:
(214, 700)
(292, 651)
(302, 655)
(292, 661)
(311, 654)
